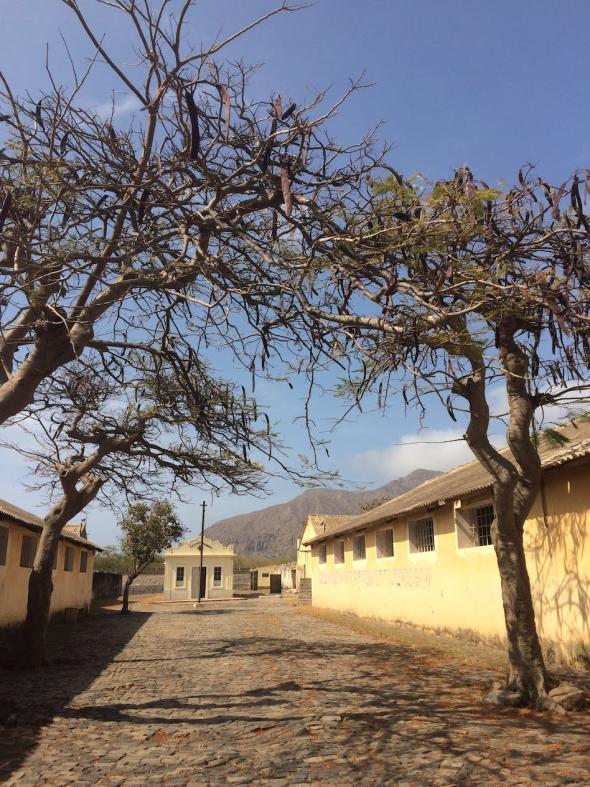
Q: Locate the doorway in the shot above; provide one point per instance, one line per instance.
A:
(195, 582)
(275, 583)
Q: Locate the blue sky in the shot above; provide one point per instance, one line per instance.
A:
(492, 84)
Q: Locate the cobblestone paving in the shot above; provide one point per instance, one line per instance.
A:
(254, 692)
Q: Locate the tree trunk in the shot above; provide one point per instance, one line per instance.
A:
(128, 582)
(515, 488)
(32, 648)
(527, 674)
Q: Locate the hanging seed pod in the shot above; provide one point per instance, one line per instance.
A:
(63, 143)
(193, 114)
(142, 205)
(6, 203)
(244, 454)
(38, 117)
(289, 111)
(227, 104)
(112, 134)
(286, 187)
(278, 107)
(275, 226)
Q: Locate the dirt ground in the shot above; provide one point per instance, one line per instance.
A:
(259, 691)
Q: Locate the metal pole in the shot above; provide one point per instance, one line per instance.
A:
(203, 506)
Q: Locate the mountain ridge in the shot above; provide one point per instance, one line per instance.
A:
(272, 531)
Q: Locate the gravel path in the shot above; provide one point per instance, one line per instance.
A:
(257, 692)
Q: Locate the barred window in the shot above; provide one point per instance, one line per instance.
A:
(323, 553)
(339, 552)
(484, 518)
(385, 543)
(359, 548)
(3, 545)
(265, 574)
(422, 535)
(179, 576)
(83, 562)
(28, 550)
(216, 575)
(69, 559)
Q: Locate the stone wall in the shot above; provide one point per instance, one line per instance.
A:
(106, 584)
(147, 583)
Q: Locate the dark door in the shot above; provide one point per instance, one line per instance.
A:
(203, 581)
(275, 583)
(254, 580)
(293, 578)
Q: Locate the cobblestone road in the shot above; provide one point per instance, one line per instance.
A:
(255, 692)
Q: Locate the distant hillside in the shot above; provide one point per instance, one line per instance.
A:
(273, 531)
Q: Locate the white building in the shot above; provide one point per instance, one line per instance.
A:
(181, 570)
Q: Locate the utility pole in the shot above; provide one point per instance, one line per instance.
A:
(203, 506)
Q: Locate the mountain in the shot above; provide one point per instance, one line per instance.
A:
(273, 531)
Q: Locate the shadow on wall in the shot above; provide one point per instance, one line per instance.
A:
(560, 554)
(30, 700)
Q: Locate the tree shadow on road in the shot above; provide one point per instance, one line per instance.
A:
(29, 700)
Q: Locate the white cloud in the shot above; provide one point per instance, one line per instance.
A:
(124, 106)
(431, 449)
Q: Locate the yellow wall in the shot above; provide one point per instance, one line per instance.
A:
(70, 588)
(456, 588)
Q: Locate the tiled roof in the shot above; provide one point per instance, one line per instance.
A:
(325, 524)
(466, 479)
(33, 522)
(76, 530)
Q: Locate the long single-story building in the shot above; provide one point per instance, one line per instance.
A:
(426, 557)
(72, 571)
(315, 526)
(182, 566)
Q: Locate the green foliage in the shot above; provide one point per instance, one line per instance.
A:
(147, 531)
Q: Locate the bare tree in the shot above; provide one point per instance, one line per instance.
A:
(447, 289)
(152, 432)
(183, 214)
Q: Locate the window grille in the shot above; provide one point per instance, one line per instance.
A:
(359, 548)
(83, 562)
(385, 543)
(422, 535)
(69, 559)
(217, 575)
(265, 575)
(339, 552)
(179, 576)
(27, 551)
(323, 553)
(3, 545)
(484, 518)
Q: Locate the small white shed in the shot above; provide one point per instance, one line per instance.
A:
(181, 570)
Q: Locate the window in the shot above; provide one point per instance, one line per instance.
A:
(265, 575)
(323, 553)
(474, 525)
(27, 551)
(69, 559)
(179, 576)
(339, 552)
(3, 545)
(83, 562)
(359, 549)
(484, 518)
(422, 535)
(385, 543)
(217, 576)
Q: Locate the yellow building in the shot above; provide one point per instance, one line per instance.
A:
(315, 525)
(426, 557)
(182, 567)
(72, 573)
